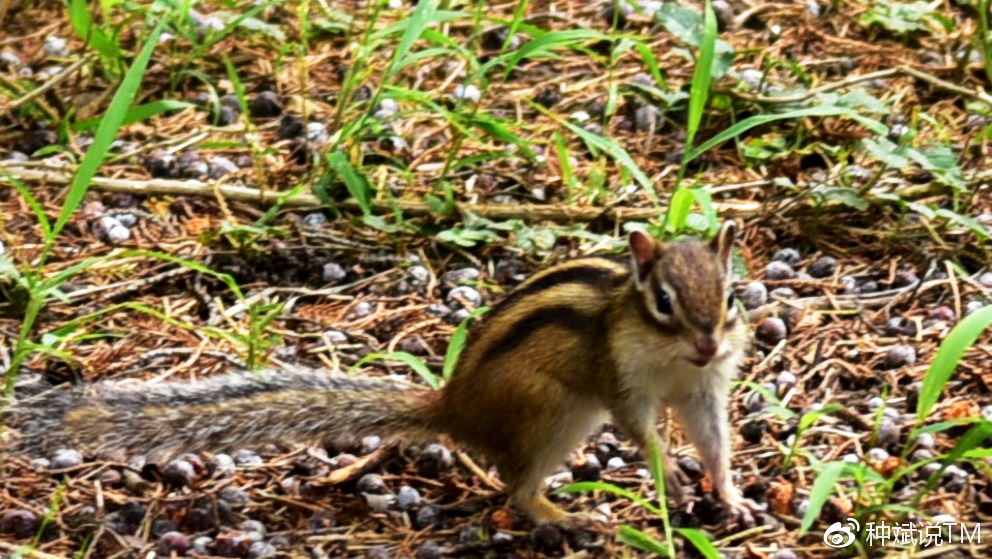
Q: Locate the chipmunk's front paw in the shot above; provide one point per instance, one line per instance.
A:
(586, 520)
(739, 508)
(675, 479)
(543, 511)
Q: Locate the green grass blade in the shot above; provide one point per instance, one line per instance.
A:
(701, 542)
(58, 279)
(457, 344)
(422, 17)
(979, 453)
(641, 540)
(971, 223)
(678, 210)
(584, 486)
(656, 464)
(226, 279)
(945, 425)
(425, 14)
(613, 149)
(53, 510)
(651, 61)
(757, 120)
(356, 182)
(239, 88)
(270, 317)
(983, 7)
(82, 24)
(701, 77)
(809, 418)
(39, 211)
(137, 113)
(567, 176)
(972, 439)
(107, 130)
(518, 17)
(494, 128)
(822, 489)
(271, 213)
(408, 359)
(946, 361)
(423, 55)
(438, 16)
(706, 203)
(612, 96)
(454, 46)
(356, 68)
(233, 23)
(545, 44)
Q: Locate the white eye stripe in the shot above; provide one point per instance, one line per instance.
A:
(664, 313)
(732, 306)
(674, 313)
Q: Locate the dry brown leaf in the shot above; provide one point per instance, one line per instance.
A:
(502, 519)
(780, 496)
(843, 504)
(962, 409)
(890, 465)
(706, 484)
(754, 553)
(198, 225)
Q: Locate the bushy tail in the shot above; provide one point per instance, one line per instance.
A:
(218, 414)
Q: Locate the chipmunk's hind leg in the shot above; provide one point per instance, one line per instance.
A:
(524, 486)
(526, 462)
(541, 509)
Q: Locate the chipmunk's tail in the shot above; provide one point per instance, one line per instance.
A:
(219, 414)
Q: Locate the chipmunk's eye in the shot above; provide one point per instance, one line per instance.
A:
(663, 301)
(730, 300)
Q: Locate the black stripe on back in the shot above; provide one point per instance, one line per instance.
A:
(520, 331)
(596, 276)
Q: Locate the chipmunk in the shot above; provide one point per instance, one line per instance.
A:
(577, 342)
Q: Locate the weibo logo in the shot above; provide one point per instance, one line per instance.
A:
(838, 536)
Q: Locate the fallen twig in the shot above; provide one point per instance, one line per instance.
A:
(810, 93)
(467, 461)
(55, 80)
(529, 212)
(128, 286)
(355, 469)
(851, 80)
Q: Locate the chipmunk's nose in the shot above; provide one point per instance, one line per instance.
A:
(706, 347)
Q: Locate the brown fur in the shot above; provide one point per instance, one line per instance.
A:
(697, 278)
(524, 408)
(539, 372)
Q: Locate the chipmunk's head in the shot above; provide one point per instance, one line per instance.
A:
(685, 290)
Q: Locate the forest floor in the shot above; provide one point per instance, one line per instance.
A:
(426, 178)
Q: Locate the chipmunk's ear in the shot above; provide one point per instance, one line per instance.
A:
(644, 253)
(723, 243)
